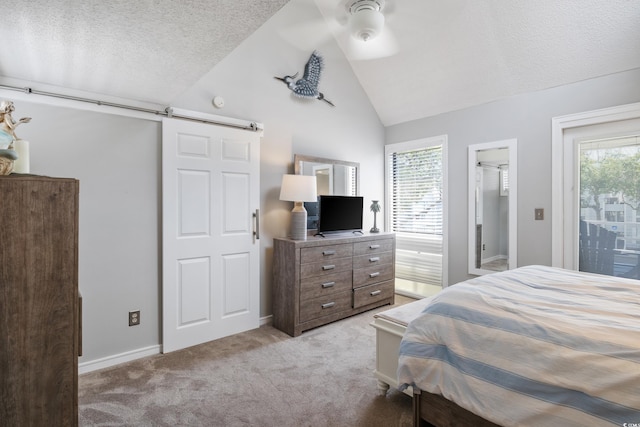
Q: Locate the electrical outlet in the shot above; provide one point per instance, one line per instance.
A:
(134, 318)
(539, 214)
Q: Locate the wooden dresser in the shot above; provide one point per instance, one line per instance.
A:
(39, 306)
(324, 279)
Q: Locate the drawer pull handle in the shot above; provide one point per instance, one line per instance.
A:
(374, 259)
(328, 285)
(327, 253)
(376, 274)
(328, 267)
(374, 293)
(328, 305)
(374, 246)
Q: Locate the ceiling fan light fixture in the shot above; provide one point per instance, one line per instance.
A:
(365, 19)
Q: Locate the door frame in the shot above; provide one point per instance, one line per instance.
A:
(563, 239)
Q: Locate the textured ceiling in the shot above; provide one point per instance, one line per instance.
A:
(147, 50)
(459, 53)
(444, 55)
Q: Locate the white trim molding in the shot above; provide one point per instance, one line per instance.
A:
(129, 356)
(560, 125)
(116, 359)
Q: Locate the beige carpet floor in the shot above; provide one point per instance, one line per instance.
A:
(262, 377)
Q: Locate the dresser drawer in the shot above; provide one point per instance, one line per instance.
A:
(366, 295)
(324, 306)
(374, 274)
(325, 285)
(372, 259)
(372, 246)
(324, 253)
(325, 268)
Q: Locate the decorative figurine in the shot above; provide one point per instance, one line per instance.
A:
(307, 86)
(375, 208)
(8, 136)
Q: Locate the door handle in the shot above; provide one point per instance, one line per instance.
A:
(256, 218)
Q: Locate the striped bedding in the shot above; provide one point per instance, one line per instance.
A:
(534, 346)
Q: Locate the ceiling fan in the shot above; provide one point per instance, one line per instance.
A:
(362, 28)
(367, 30)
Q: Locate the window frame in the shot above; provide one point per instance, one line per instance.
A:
(423, 143)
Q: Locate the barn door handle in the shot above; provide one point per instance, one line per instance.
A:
(256, 217)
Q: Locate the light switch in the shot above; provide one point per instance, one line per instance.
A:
(539, 214)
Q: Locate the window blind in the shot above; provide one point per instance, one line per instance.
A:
(415, 184)
(416, 190)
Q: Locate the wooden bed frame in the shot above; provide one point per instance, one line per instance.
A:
(434, 410)
(428, 409)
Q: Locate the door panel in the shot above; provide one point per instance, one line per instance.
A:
(210, 256)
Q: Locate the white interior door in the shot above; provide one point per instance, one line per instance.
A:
(210, 189)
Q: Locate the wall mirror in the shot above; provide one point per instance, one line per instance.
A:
(493, 187)
(334, 177)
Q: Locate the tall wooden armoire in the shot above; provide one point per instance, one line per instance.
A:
(39, 306)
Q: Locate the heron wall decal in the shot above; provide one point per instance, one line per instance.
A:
(307, 86)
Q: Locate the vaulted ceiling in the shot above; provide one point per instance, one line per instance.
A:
(434, 56)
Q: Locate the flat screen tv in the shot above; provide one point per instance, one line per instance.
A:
(339, 214)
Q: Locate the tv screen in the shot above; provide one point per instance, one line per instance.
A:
(339, 213)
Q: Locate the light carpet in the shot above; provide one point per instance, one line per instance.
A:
(261, 377)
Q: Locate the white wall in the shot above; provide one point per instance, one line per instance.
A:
(526, 117)
(118, 159)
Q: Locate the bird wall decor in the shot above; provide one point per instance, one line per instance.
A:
(307, 86)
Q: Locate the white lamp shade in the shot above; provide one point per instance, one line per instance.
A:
(366, 24)
(298, 188)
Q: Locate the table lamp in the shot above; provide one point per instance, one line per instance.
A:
(298, 189)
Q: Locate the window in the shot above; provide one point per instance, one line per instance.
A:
(504, 180)
(609, 194)
(416, 190)
(415, 194)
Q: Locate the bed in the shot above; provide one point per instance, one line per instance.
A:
(534, 346)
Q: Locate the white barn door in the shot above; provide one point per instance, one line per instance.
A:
(210, 198)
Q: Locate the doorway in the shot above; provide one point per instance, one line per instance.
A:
(594, 160)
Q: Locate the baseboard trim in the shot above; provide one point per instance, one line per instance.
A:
(116, 359)
(266, 320)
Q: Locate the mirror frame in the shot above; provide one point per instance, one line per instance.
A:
(512, 145)
(298, 159)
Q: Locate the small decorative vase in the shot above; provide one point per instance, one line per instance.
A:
(375, 208)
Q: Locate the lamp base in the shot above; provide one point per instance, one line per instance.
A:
(299, 222)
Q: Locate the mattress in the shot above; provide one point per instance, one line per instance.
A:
(532, 346)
